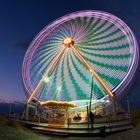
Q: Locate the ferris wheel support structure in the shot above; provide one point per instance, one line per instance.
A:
(92, 71)
(46, 73)
(68, 42)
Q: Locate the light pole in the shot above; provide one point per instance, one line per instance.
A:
(91, 94)
(89, 110)
(128, 106)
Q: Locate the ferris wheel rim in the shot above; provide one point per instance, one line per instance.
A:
(132, 68)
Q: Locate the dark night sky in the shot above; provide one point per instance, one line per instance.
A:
(21, 20)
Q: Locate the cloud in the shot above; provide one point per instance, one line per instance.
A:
(9, 101)
(23, 45)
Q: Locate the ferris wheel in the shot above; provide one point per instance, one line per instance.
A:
(62, 59)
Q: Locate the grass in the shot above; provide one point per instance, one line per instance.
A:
(135, 116)
(12, 130)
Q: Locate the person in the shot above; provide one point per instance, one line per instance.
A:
(91, 116)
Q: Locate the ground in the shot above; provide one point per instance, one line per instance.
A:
(11, 130)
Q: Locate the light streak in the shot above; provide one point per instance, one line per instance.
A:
(46, 73)
(93, 71)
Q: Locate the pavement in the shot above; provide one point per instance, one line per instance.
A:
(79, 129)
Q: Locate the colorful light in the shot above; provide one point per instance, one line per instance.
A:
(46, 79)
(103, 45)
(68, 41)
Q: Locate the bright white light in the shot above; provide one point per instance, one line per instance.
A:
(58, 88)
(47, 79)
(91, 70)
(107, 101)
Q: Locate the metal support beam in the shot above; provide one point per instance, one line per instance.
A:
(46, 73)
(93, 71)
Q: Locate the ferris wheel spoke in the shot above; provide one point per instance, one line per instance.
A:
(92, 70)
(46, 73)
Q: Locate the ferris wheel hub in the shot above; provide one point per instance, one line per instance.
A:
(68, 41)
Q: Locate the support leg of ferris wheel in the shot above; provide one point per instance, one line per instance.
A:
(46, 73)
(92, 71)
(98, 78)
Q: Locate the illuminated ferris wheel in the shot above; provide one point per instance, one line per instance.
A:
(66, 54)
